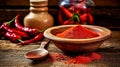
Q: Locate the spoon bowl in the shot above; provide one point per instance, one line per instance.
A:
(39, 53)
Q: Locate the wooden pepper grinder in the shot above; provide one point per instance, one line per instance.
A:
(38, 16)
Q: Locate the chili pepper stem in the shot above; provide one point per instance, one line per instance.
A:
(40, 31)
(9, 22)
(21, 40)
(75, 18)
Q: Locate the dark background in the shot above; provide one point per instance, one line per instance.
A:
(106, 12)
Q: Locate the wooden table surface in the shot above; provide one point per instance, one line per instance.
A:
(12, 55)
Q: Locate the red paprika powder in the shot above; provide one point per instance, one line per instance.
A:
(77, 32)
(79, 59)
(85, 58)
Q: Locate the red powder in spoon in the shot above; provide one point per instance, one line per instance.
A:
(32, 55)
(77, 32)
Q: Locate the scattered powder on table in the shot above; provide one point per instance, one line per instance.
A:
(79, 59)
(83, 59)
(77, 32)
(58, 56)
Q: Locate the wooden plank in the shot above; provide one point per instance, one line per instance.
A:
(24, 2)
(14, 2)
(113, 3)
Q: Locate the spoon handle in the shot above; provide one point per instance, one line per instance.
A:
(44, 42)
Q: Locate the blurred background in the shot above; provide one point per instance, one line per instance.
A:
(106, 12)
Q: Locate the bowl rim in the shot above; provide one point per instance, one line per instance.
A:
(106, 31)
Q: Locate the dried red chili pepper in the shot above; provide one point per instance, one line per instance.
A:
(26, 29)
(13, 36)
(66, 12)
(35, 39)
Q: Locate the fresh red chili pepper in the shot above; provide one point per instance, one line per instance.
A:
(90, 18)
(71, 9)
(74, 20)
(22, 33)
(6, 24)
(33, 40)
(77, 10)
(86, 17)
(26, 29)
(68, 22)
(13, 36)
(83, 18)
(3, 25)
(66, 12)
(19, 32)
(81, 6)
(60, 19)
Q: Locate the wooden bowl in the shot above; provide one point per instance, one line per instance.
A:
(77, 45)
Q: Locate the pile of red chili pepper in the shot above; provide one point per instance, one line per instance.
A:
(75, 14)
(20, 34)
